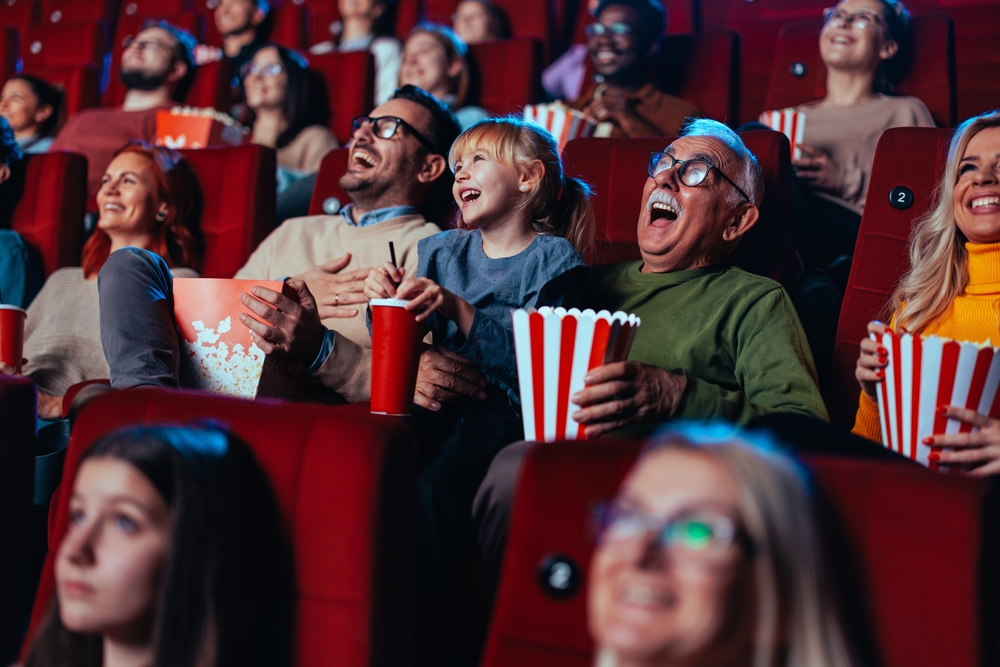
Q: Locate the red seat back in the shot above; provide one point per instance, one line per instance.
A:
(17, 474)
(350, 87)
(238, 186)
(505, 74)
(80, 84)
(153, 7)
(901, 522)
(344, 481)
(10, 49)
(880, 257)
(289, 26)
(20, 14)
(50, 213)
(78, 11)
(799, 76)
(332, 167)
(616, 168)
(63, 45)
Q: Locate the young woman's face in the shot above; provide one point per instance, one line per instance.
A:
(128, 200)
(654, 605)
(110, 564)
(471, 22)
(484, 189)
(976, 200)
(266, 81)
(844, 46)
(19, 105)
(425, 65)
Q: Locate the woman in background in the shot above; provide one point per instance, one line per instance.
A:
(477, 21)
(434, 59)
(175, 554)
(710, 556)
(34, 110)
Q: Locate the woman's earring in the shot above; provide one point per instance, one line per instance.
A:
(524, 188)
(161, 216)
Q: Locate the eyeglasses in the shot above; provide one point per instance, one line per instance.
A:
(858, 20)
(695, 539)
(143, 44)
(692, 172)
(613, 31)
(385, 127)
(269, 70)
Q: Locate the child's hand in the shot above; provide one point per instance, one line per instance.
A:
(381, 282)
(426, 297)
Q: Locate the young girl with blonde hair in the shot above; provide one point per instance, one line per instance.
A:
(952, 288)
(523, 228)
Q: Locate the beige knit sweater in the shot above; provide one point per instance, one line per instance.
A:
(302, 243)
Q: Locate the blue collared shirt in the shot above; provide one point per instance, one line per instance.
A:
(378, 215)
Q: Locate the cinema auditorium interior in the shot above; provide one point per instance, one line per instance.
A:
(512, 333)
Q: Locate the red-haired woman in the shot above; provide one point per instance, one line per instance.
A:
(149, 198)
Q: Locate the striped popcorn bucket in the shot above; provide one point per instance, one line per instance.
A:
(564, 123)
(790, 123)
(555, 349)
(925, 373)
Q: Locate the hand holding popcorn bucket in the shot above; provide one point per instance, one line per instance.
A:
(555, 349)
(925, 374)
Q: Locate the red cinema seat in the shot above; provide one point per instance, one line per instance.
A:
(900, 523)
(63, 45)
(153, 7)
(328, 197)
(18, 405)
(238, 186)
(10, 50)
(350, 87)
(799, 76)
(344, 481)
(211, 86)
(20, 14)
(80, 84)
(289, 26)
(505, 74)
(616, 168)
(78, 11)
(50, 213)
(129, 26)
(908, 157)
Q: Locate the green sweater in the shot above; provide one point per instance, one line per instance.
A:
(733, 334)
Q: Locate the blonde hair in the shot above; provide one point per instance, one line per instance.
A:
(798, 621)
(939, 262)
(560, 205)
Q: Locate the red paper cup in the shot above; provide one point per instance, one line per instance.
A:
(396, 338)
(12, 335)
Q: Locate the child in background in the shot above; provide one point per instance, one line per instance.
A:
(519, 244)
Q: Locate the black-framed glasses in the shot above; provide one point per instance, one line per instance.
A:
(385, 127)
(143, 44)
(696, 538)
(691, 172)
(616, 30)
(858, 20)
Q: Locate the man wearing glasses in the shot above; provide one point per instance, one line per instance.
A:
(622, 97)
(716, 342)
(156, 69)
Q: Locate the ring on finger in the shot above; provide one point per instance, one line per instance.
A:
(336, 299)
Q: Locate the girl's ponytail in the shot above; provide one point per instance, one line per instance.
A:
(574, 216)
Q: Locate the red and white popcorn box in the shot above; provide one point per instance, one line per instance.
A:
(189, 127)
(555, 349)
(218, 355)
(790, 123)
(924, 374)
(564, 123)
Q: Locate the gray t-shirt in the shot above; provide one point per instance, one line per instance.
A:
(546, 273)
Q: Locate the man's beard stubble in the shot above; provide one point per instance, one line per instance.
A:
(135, 79)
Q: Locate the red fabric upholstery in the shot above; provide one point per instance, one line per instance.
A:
(17, 476)
(901, 522)
(506, 74)
(238, 185)
(129, 25)
(75, 389)
(880, 258)
(616, 168)
(79, 84)
(344, 482)
(10, 50)
(350, 87)
(682, 16)
(78, 11)
(210, 87)
(700, 68)
(50, 213)
(289, 26)
(20, 14)
(931, 78)
(63, 45)
(330, 170)
(153, 7)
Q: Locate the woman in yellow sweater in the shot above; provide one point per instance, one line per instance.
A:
(953, 287)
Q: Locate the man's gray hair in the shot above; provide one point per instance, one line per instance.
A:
(750, 177)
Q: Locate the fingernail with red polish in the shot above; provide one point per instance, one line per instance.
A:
(880, 373)
(883, 360)
(928, 441)
(882, 351)
(942, 409)
(932, 457)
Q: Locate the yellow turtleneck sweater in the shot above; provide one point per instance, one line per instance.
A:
(974, 316)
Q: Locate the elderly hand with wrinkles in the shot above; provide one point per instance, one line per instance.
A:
(625, 393)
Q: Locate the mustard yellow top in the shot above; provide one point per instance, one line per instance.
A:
(974, 316)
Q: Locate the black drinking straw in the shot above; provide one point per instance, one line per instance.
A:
(392, 254)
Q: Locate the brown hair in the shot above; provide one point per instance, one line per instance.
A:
(454, 49)
(177, 238)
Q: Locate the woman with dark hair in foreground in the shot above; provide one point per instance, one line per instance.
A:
(175, 556)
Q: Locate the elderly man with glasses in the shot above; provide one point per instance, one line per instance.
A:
(715, 342)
